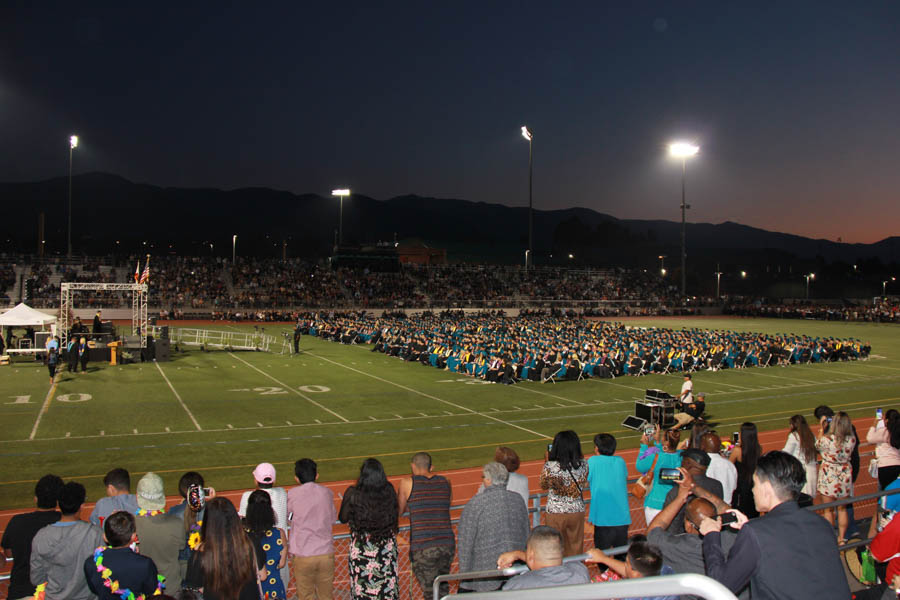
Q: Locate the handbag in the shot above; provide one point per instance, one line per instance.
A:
(640, 488)
(873, 468)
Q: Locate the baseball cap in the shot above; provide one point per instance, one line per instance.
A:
(264, 473)
(150, 495)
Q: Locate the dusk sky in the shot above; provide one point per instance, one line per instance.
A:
(795, 105)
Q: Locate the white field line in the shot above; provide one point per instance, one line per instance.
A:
(178, 396)
(528, 389)
(447, 402)
(287, 387)
(45, 406)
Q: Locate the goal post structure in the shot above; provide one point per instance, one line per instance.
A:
(139, 319)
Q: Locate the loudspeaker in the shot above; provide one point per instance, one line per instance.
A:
(163, 350)
(164, 332)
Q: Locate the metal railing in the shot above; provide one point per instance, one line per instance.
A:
(668, 585)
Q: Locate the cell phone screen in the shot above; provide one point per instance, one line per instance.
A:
(878, 413)
(670, 475)
(735, 437)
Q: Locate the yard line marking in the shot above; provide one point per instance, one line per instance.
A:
(398, 416)
(68, 434)
(740, 387)
(288, 422)
(423, 414)
(448, 412)
(259, 424)
(229, 426)
(102, 432)
(180, 401)
(527, 389)
(134, 430)
(287, 387)
(453, 404)
(46, 405)
(318, 421)
(373, 418)
(168, 430)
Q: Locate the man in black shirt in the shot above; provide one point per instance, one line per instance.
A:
(787, 554)
(21, 531)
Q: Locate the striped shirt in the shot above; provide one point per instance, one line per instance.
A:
(429, 513)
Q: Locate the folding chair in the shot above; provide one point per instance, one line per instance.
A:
(552, 377)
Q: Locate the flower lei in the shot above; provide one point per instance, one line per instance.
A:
(113, 584)
(40, 591)
(194, 539)
(149, 513)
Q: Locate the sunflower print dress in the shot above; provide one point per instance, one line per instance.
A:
(272, 547)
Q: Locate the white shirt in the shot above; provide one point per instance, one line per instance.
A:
(687, 386)
(279, 505)
(724, 472)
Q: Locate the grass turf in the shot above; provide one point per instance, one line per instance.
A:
(222, 412)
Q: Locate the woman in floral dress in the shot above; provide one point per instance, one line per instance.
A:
(835, 443)
(270, 541)
(370, 508)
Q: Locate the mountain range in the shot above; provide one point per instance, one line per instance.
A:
(113, 214)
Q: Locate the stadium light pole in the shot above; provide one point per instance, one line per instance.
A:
(683, 150)
(718, 282)
(884, 285)
(342, 193)
(808, 277)
(233, 248)
(529, 258)
(73, 143)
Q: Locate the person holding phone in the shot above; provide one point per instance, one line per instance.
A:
(883, 433)
(744, 457)
(656, 456)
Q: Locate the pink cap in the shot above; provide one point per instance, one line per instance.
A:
(264, 473)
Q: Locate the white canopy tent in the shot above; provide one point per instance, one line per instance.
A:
(25, 316)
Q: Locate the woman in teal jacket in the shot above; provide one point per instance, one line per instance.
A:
(669, 458)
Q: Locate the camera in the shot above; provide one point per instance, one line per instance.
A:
(649, 430)
(670, 475)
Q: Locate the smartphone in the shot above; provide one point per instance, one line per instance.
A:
(728, 518)
(670, 475)
(735, 437)
(878, 414)
(206, 491)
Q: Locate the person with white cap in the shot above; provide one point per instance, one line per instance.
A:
(264, 476)
(160, 535)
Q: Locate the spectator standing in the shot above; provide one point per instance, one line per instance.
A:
(59, 550)
(744, 457)
(52, 362)
(271, 543)
(835, 476)
(370, 508)
(161, 535)
(517, 482)
(787, 554)
(431, 540)
(608, 480)
(720, 468)
(20, 532)
(312, 514)
(264, 476)
(226, 564)
(565, 475)
(118, 496)
(116, 567)
(801, 444)
(543, 554)
(884, 433)
(493, 522)
(665, 456)
(825, 411)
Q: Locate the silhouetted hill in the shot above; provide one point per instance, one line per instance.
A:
(110, 209)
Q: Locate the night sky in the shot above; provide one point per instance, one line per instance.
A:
(796, 105)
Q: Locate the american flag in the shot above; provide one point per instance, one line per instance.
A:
(145, 276)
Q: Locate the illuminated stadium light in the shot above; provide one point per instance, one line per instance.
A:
(73, 141)
(526, 133)
(683, 149)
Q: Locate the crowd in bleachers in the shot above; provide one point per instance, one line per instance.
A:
(726, 510)
(883, 311)
(540, 347)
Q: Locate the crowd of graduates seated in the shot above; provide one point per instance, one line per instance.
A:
(536, 346)
(207, 547)
(884, 311)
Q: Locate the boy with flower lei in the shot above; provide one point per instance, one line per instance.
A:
(116, 570)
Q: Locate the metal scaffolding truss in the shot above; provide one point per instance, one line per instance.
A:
(139, 320)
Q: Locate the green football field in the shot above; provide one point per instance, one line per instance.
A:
(222, 412)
